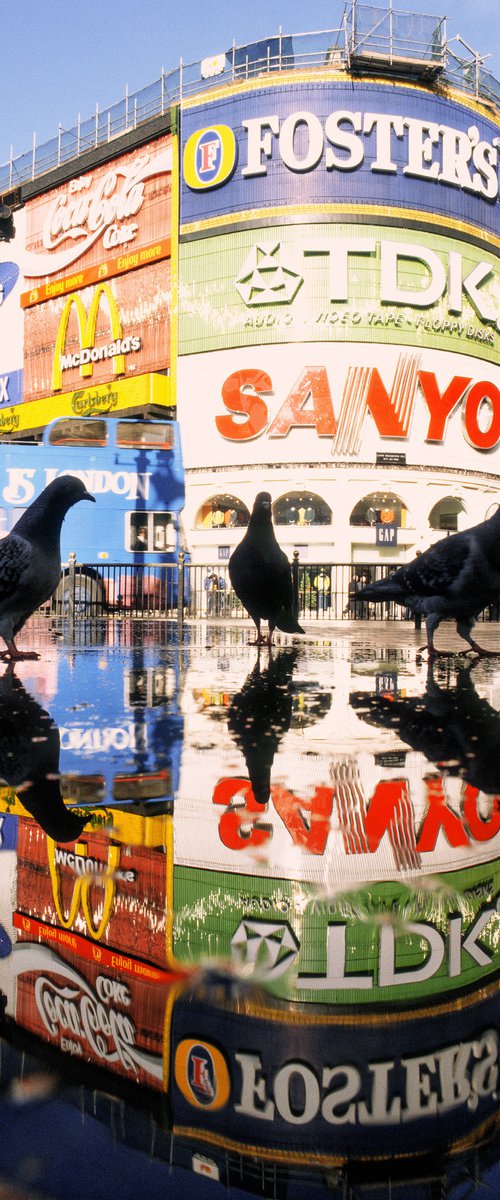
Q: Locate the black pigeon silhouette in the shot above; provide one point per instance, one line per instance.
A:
(453, 726)
(29, 759)
(458, 577)
(261, 575)
(30, 558)
(259, 717)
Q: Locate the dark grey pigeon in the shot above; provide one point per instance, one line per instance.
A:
(30, 558)
(29, 759)
(457, 578)
(261, 575)
(453, 726)
(260, 715)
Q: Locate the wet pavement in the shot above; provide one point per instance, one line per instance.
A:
(249, 913)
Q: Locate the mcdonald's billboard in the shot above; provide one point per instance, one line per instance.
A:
(111, 893)
(115, 329)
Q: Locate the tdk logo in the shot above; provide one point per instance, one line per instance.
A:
(209, 157)
(9, 274)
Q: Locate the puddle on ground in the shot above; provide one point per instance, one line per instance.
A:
(249, 915)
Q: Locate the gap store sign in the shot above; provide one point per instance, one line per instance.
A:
(339, 147)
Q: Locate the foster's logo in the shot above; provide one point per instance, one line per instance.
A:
(201, 1074)
(209, 157)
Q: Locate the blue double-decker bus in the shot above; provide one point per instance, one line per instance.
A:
(134, 469)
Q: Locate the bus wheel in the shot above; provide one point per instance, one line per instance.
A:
(88, 596)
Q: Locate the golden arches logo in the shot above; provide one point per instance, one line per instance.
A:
(87, 324)
(82, 888)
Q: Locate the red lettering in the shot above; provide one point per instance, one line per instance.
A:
(440, 406)
(307, 821)
(437, 817)
(239, 393)
(392, 412)
(240, 827)
(482, 829)
(312, 388)
(481, 396)
(389, 807)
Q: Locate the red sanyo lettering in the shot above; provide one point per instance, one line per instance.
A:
(309, 404)
(388, 812)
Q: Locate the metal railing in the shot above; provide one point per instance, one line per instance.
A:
(323, 592)
(363, 32)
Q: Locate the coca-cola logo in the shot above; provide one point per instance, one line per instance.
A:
(91, 1016)
(92, 209)
(71, 1010)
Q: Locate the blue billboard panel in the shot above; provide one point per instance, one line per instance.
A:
(334, 147)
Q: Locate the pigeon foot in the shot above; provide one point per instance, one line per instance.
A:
(480, 650)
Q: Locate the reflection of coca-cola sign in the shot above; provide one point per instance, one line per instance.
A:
(89, 1019)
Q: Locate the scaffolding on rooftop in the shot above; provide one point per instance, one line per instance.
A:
(368, 39)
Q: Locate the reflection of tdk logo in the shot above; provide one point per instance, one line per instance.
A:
(9, 274)
(268, 276)
(209, 157)
(266, 946)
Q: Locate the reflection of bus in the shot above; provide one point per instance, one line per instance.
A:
(119, 726)
(134, 469)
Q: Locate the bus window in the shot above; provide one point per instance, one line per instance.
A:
(158, 435)
(165, 535)
(72, 432)
(152, 532)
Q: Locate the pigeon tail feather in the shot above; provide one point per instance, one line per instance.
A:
(287, 622)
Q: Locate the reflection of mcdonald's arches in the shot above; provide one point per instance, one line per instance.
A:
(87, 325)
(81, 891)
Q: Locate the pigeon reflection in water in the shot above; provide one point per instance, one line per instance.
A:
(29, 759)
(453, 726)
(260, 715)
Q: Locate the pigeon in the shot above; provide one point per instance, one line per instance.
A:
(456, 578)
(455, 728)
(30, 559)
(261, 575)
(260, 715)
(29, 759)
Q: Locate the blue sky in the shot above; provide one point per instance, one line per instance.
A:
(60, 59)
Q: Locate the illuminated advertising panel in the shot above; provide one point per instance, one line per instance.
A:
(11, 318)
(312, 1088)
(339, 402)
(95, 1011)
(340, 283)
(332, 146)
(111, 893)
(112, 330)
(111, 220)
(381, 943)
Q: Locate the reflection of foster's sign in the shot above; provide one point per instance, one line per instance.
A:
(321, 1088)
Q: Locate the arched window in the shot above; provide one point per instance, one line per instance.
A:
(445, 514)
(221, 511)
(383, 508)
(301, 508)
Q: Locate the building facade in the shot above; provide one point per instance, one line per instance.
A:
(300, 253)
